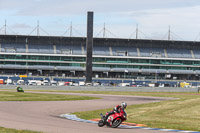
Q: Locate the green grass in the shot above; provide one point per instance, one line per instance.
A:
(8, 130)
(182, 113)
(18, 96)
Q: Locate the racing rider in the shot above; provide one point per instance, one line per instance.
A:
(116, 109)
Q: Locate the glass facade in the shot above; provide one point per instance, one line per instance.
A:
(112, 57)
(102, 62)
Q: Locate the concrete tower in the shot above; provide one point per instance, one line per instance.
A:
(89, 45)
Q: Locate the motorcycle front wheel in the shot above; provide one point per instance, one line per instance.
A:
(116, 123)
(101, 123)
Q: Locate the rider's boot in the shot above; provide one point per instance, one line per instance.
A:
(103, 118)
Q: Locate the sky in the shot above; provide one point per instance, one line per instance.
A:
(153, 18)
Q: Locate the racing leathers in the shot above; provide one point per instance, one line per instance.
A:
(115, 110)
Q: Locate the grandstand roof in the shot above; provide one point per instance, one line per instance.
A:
(99, 41)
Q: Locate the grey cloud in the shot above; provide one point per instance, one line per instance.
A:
(78, 7)
(15, 4)
(20, 26)
(145, 12)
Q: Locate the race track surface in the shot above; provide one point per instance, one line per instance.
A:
(44, 115)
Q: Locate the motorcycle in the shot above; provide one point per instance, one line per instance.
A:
(113, 120)
(19, 89)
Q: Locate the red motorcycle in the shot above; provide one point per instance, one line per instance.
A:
(113, 120)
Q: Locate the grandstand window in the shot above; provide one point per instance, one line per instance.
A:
(20, 63)
(132, 66)
(70, 64)
(188, 62)
(146, 67)
(98, 65)
(99, 59)
(54, 64)
(143, 61)
(19, 56)
(177, 62)
(111, 60)
(75, 64)
(66, 58)
(46, 57)
(111, 66)
(165, 62)
(43, 63)
(165, 67)
(33, 58)
(133, 60)
(82, 65)
(10, 56)
(121, 66)
(122, 60)
(32, 63)
(154, 67)
(77, 59)
(179, 68)
(196, 63)
(40, 58)
(195, 68)
(155, 61)
(64, 64)
(56, 58)
(2, 56)
(10, 62)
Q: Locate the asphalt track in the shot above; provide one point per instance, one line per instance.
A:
(44, 115)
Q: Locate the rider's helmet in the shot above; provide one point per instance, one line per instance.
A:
(123, 105)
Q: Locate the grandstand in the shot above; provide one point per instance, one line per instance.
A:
(112, 58)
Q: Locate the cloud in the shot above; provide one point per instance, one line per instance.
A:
(80, 7)
(20, 26)
(121, 17)
(181, 20)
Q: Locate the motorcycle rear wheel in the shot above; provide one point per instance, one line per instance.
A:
(101, 123)
(116, 123)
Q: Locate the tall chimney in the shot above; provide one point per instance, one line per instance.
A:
(89, 45)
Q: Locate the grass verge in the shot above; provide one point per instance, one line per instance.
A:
(181, 114)
(18, 96)
(8, 130)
